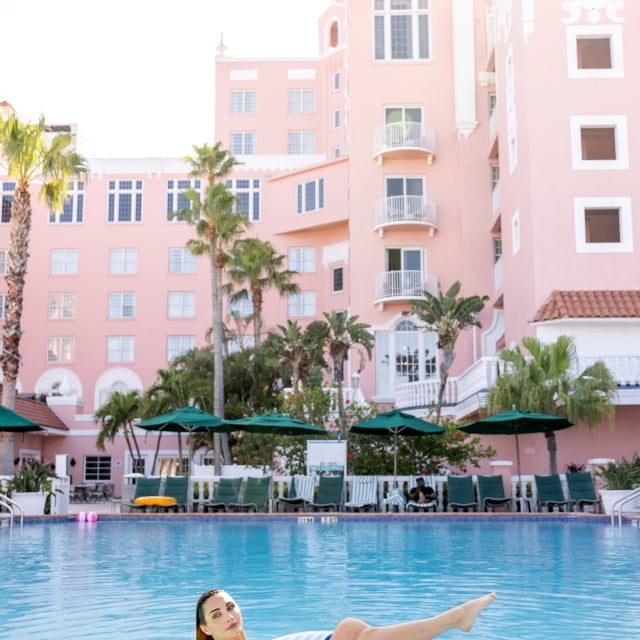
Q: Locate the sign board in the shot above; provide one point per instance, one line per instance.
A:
(327, 457)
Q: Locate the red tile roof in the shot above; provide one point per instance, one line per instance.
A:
(590, 304)
(39, 412)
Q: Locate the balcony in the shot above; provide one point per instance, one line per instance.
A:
(403, 212)
(404, 140)
(401, 286)
(466, 394)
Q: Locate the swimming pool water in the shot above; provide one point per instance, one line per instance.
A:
(140, 580)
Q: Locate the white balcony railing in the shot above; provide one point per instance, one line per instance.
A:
(405, 135)
(405, 210)
(404, 284)
(466, 393)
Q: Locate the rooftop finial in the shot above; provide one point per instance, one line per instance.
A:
(221, 48)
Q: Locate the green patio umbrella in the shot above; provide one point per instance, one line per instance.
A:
(276, 424)
(184, 420)
(12, 422)
(514, 423)
(396, 423)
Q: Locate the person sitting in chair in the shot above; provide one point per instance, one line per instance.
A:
(421, 496)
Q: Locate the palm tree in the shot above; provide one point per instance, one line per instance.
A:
(546, 382)
(300, 349)
(30, 157)
(217, 227)
(255, 266)
(447, 316)
(119, 412)
(343, 332)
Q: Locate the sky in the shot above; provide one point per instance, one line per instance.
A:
(137, 76)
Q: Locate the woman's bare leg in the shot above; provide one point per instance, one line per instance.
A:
(461, 617)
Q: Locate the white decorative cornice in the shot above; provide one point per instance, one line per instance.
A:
(593, 9)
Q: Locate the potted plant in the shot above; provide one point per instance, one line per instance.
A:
(619, 479)
(31, 486)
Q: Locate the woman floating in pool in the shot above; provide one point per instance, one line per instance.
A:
(218, 617)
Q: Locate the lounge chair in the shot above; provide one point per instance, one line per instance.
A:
(550, 494)
(300, 495)
(363, 494)
(256, 495)
(228, 491)
(176, 487)
(491, 493)
(461, 494)
(145, 487)
(329, 496)
(583, 492)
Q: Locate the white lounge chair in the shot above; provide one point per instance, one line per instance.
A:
(363, 494)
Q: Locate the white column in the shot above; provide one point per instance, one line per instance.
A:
(464, 66)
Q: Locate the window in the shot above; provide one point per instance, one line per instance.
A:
(120, 348)
(73, 207)
(495, 176)
(181, 304)
(3, 262)
(123, 261)
(336, 152)
(63, 262)
(401, 29)
(595, 51)
(336, 119)
(515, 233)
(302, 259)
(336, 80)
(243, 101)
(407, 353)
(403, 126)
(302, 101)
(302, 304)
(599, 142)
(125, 201)
(603, 225)
(122, 305)
(405, 272)
(3, 305)
(243, 143)
(492, 103)
(178, 345)
(97, 468)
(176, 199)
(337, 279)
(61, 349)
(8, 189)
(497, 249)
(241, 307)
(181, 261)
(62, 306)
(247, 193)
(302, 142)
(310, 196)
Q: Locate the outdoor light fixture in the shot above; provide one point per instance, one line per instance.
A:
(355, 381)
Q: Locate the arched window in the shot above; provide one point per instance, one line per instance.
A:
(406, 353)
(334, 35)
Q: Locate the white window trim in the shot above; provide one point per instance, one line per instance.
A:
(515, 233)
(617, 61)
(302, 257)
(121, 259)
(333, 270)
(181, 304)
(619, 124)
(626, 227)
(245, 105)
(299, 304)
(121, 349)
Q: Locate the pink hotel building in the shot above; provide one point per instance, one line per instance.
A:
(430, 141)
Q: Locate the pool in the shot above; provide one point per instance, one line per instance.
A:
(140, 579)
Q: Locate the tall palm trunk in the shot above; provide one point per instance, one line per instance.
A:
(18, 255)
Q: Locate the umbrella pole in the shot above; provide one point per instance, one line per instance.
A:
(395, 458)
(519, 473)
(179, 453)
(155, 457)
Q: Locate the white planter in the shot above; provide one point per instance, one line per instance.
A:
(31, 502)
(611, 496)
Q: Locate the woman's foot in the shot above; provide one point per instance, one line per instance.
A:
(472, 609)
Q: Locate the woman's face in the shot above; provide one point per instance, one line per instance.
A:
(222, 617)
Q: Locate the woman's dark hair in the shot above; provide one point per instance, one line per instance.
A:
(200, 635)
